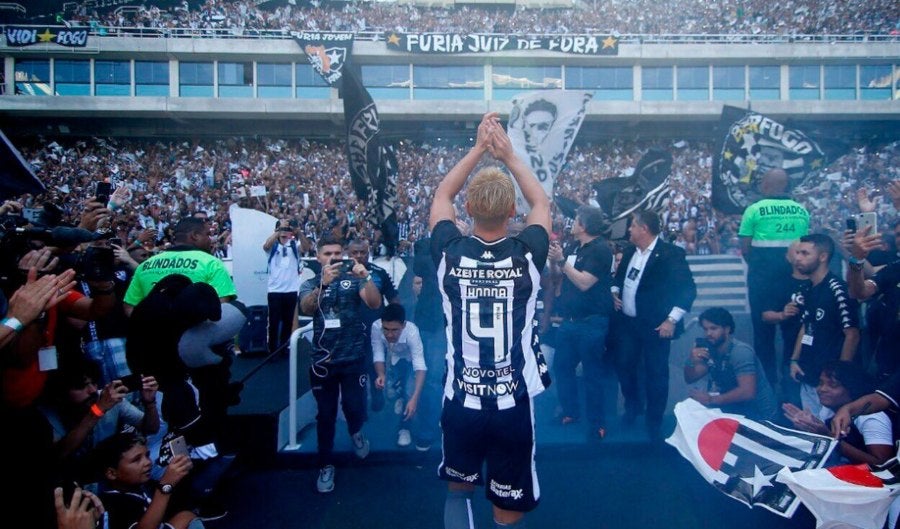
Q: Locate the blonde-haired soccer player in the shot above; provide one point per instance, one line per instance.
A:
(489, 283)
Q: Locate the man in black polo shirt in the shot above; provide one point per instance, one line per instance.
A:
(585, 304)
(335, 298)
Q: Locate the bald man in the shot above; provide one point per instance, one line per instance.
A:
(768, 227)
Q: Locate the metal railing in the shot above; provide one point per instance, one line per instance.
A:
(296, 336)
(378, 35)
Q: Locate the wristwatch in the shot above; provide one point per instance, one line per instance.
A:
(165, 488)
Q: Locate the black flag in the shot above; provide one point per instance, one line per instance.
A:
(566, 206)
(327, 52)
(16, 176)
(373, 166)
(751, 145)
(647, 188)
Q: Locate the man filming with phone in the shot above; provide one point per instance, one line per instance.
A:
(284, 267)
(335, 298)
(881, 288)
(735, 379)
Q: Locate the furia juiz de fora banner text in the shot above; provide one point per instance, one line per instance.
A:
(488, 43)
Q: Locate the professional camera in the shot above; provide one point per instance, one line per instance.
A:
(96, 263)
(18, 236)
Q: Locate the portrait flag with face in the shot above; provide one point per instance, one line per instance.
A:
(542, 127)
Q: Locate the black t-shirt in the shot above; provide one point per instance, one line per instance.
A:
(789, 289)
(828, 310)
(595, 258)
(886, 316)
(126, 508)
(429, 316)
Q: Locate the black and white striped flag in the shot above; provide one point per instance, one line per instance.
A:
(741, 457)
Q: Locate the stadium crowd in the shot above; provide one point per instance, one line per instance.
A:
(732, 17)
(172, 178)
(107, 323)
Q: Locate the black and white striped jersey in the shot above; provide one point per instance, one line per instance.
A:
(489, 292)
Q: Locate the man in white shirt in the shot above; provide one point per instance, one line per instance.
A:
(398, 342)
(285, 267)
(653, 290)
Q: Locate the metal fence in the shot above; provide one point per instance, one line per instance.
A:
(378, 35)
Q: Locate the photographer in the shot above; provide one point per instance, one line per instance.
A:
(736, 381)
(284, 268)
(335, 298)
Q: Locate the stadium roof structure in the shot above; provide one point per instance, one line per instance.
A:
(222, 83)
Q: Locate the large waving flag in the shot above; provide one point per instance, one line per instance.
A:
(647, 188)
(847, 496)
(328, 52)
(16, 176)
(741, 457)
(753, 144)
(542, 127)
(373, 166)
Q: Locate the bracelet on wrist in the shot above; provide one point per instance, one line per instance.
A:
(368, 277)
(854, 261)
(12, 323)
(794, 361)
(96, 410)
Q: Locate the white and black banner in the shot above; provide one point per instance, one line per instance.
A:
(328, 52)
(542, 127)
(741, 457)
(448, 43)
(752, 145)
(21, 36)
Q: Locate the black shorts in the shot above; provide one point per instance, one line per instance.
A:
(504, 439)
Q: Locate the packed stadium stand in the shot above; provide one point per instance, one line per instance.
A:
(192, 103)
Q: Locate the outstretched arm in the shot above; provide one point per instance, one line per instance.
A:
(502, 149)
(452, 184)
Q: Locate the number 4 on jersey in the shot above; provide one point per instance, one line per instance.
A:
(497, 331)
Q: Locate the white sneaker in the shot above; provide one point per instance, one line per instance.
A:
(360, 445)
(398, 406)
(325, 483)
(404, 438)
